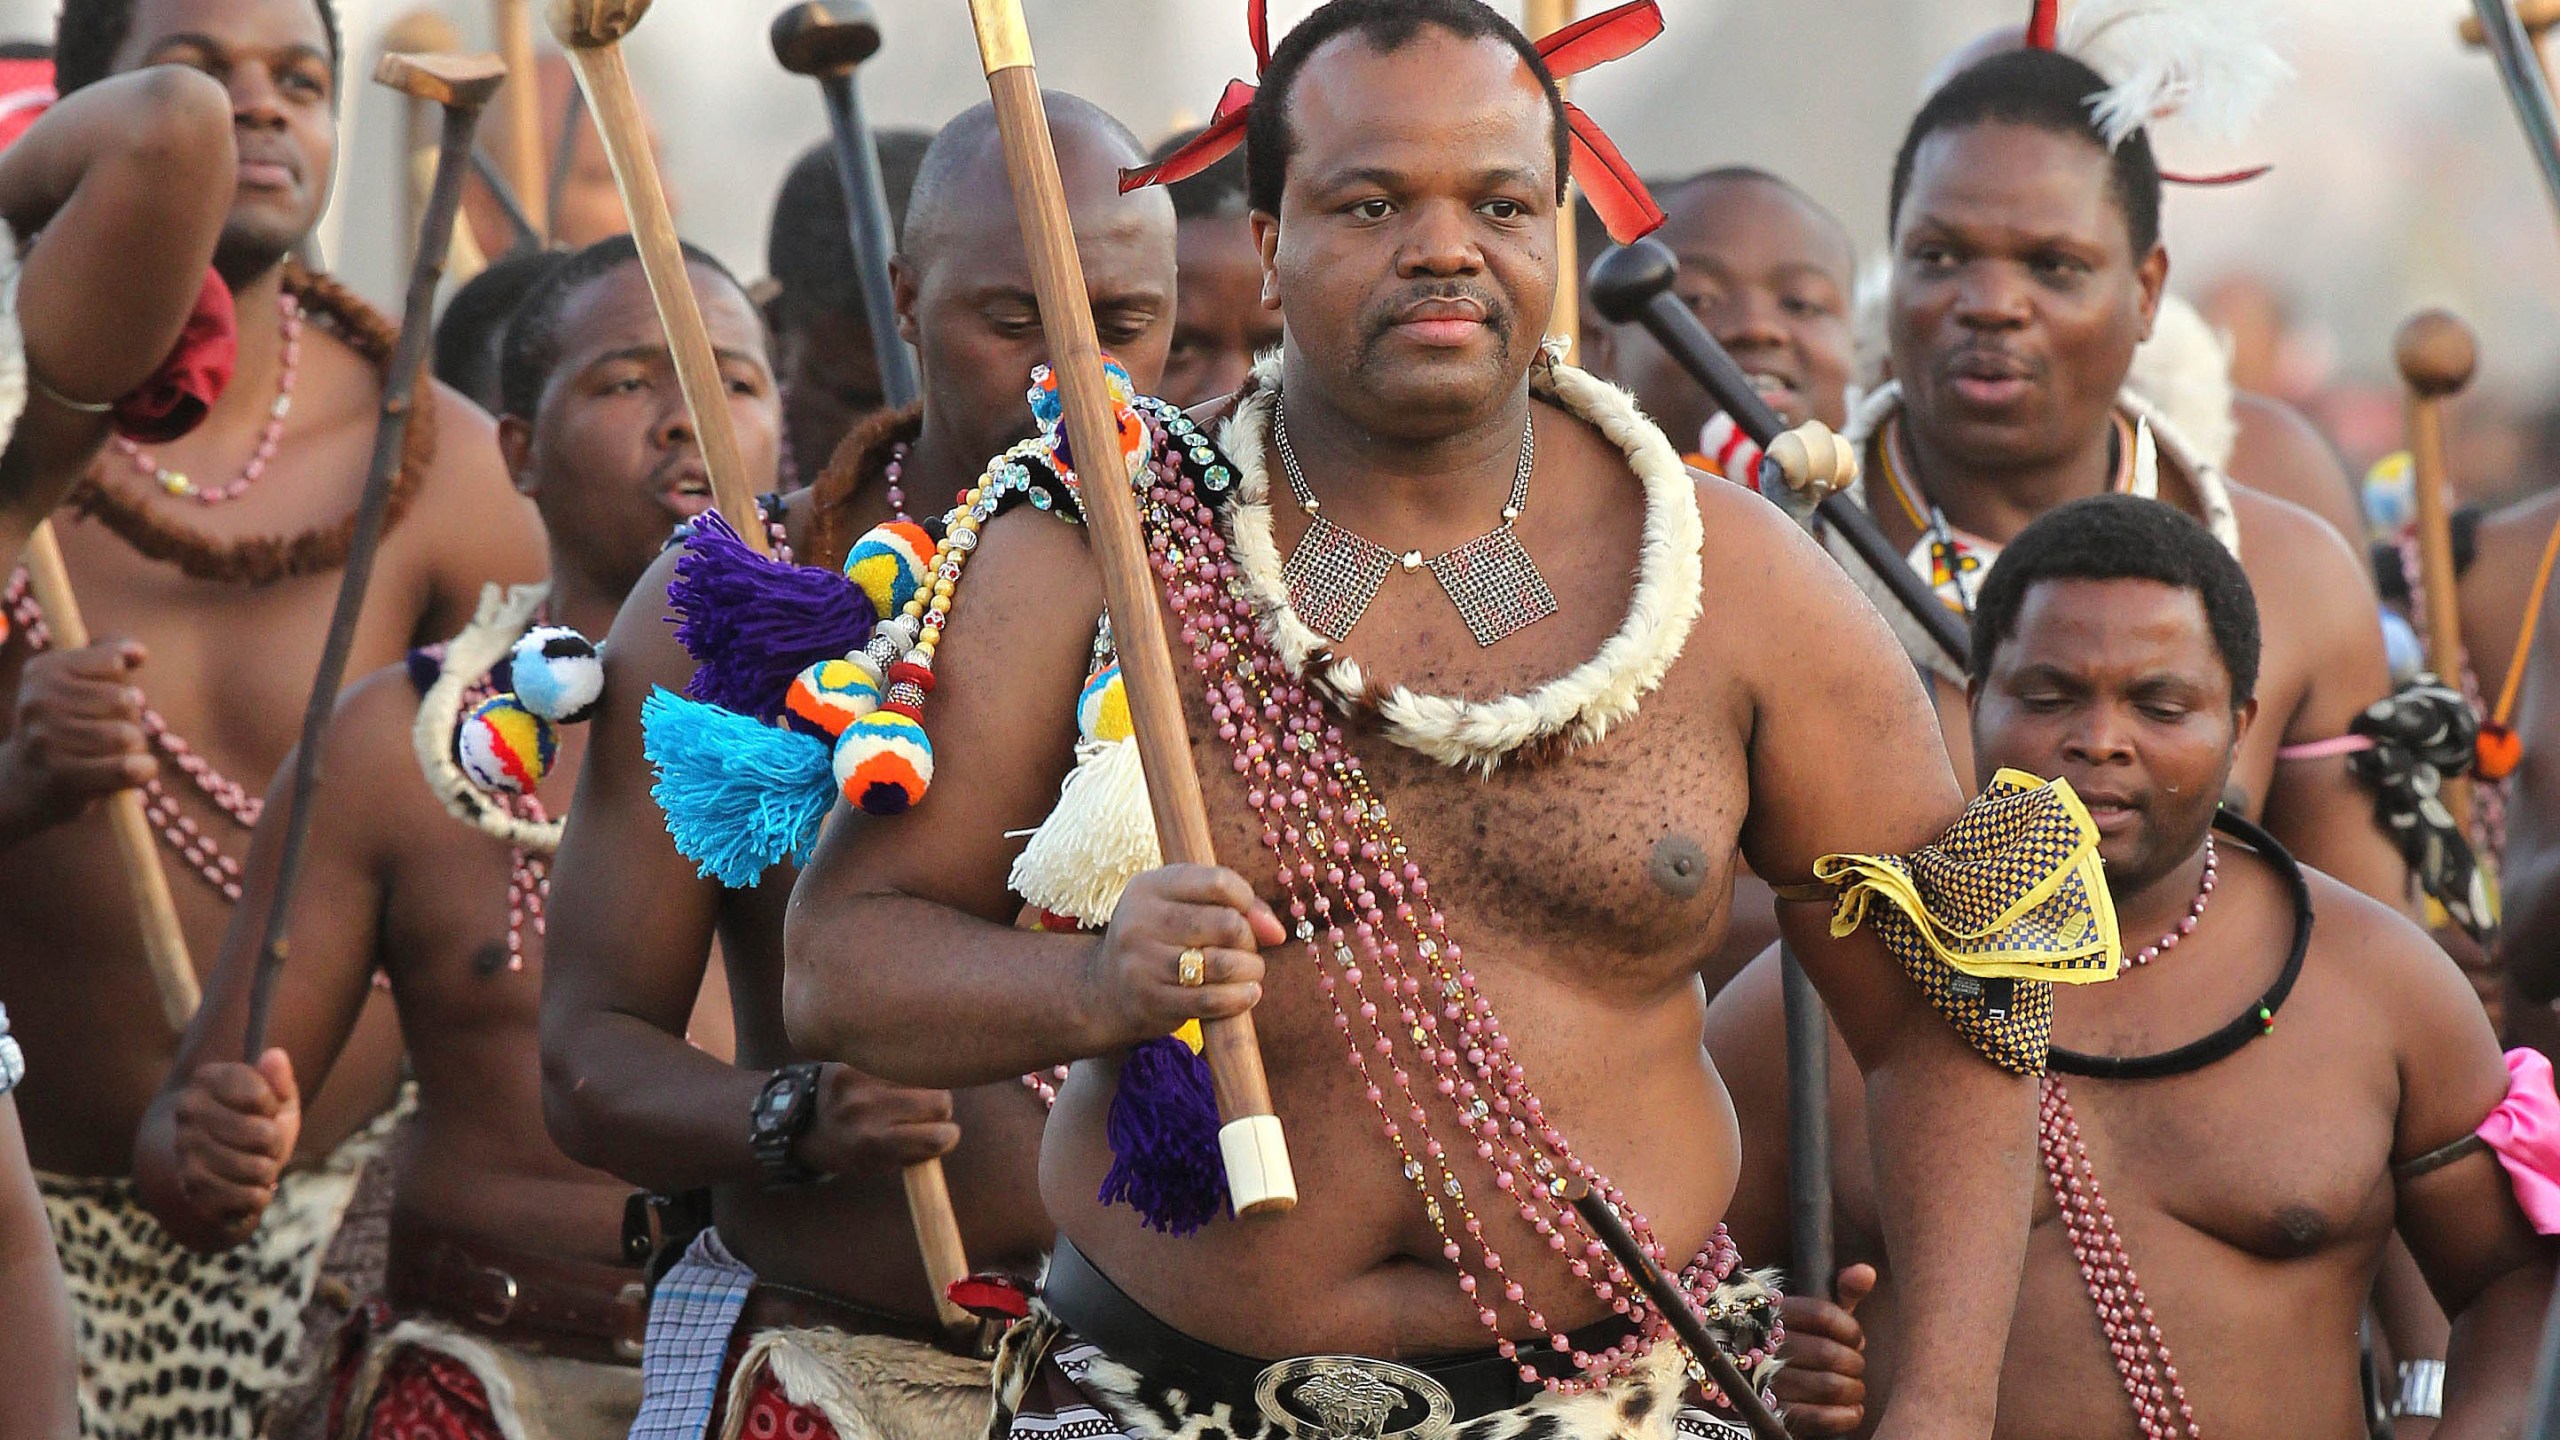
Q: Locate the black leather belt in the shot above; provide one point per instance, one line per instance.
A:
(1312, 1396)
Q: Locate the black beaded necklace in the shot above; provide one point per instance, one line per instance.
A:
(2259, 1019)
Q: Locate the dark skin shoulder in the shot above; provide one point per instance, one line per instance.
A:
(624, 1093)
(2380, 1053)
(2281, 453)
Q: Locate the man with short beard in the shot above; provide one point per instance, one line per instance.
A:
(2233, 1130)
(1579, 809)
(208, 567)
(2026, 266)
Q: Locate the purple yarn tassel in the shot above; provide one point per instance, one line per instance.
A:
(1163, 1129)
(752, 623)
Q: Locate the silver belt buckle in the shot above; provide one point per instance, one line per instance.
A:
(1352, 1397)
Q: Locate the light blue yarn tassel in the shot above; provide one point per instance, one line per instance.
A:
(740, 796)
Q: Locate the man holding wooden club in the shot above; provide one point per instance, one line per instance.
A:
(812, 1270)
(1480, 813)
(507, 1271)
(209, 566)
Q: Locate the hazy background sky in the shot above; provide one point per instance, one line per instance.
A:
(2400, 177)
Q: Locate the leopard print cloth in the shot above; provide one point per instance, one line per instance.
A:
(176, 1344)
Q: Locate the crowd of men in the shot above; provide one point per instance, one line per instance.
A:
(563, 1129)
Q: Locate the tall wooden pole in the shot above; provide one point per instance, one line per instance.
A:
(1543, 18)
(1250, 1140)
(164, 941)
(592, 31)
(2437, 354)
(523, 101)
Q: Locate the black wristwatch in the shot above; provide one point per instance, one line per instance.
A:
(785, 1109)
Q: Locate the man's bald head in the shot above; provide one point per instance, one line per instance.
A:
(963, 279)
(962, 187)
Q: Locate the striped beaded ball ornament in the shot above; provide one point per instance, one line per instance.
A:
(829, 696)
(504, 746)
(884, 763)
(890, 564)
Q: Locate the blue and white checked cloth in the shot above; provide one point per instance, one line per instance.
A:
(691, 1317)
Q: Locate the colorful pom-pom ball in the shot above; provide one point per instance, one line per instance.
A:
(890, 564)
(505, 747)
(884, 763)
(1102, 711)
(558, 674)
(830, 695)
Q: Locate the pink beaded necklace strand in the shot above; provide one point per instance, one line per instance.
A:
(1306, 783)
(2124, 1312)
(178, 831)
(176, 483)
(2186, 926)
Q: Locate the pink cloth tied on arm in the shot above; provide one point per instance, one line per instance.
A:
(174, 400)
(2525, 1132)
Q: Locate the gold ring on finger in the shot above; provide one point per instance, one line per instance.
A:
(1191, 968)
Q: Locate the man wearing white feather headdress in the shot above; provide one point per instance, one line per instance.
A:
(2026, 268)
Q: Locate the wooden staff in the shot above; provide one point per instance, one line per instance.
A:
(2436, 354)
(1256, 1154)
(592, 31)
(513, 20)
(417, 32)
(462, 84)
(164, 942)
(1543, 18)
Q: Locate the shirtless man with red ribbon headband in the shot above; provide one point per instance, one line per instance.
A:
(209, 564)
(1481, 821)
(2239, 1126)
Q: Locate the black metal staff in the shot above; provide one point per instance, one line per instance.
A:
(2545, 1422)
(1675, 1310)
(2528, 89)
(1808, 1130)
(462, 85)
(1631, 285)
(827, 40)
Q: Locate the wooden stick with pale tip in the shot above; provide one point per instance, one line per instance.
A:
(592, 32)
(1543, 18)
(164, 941)
(2436, 354)
(417, 32)
(462, 85)
(513, 21)
(1250, 1141)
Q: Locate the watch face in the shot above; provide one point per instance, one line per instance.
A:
(778, 1104)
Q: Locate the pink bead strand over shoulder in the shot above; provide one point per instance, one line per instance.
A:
(2133, 1334)
(177, 830)
(1419, 1031)
(176, 483)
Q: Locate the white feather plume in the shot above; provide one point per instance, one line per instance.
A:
(2209, 63)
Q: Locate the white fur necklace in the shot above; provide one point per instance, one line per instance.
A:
(1576, 708)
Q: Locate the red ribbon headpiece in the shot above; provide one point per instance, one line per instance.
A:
(1606, 178)
(2044, 32)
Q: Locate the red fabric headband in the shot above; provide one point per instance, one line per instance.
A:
(1607, 180)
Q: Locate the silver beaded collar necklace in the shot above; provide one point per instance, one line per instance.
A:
(1334, 573)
